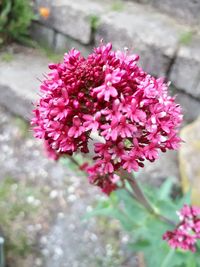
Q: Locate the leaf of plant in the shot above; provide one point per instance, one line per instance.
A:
(167, 260)
(165, 189)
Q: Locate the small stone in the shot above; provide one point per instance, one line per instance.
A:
(71, 198)
(93, 237)
(53, 194)
(30, 199)
(43, 240)
(61, 215)
(38, 227)
(45, 252)
(30, 228)
(58, 251)
(71, 189)
(36, 202)
(38, 262)
(89, 208)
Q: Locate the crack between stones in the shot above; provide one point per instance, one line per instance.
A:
(186, 93)
(196, 83)
(171, 62)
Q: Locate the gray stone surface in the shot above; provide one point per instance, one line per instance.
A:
(154, 36)
(43, 35)
(190, 106)
(63, 239)
(58, 42)
(73, 18)
(19, 80)
(157, 172)
(64, 43)
(185, 72)
(187, 11)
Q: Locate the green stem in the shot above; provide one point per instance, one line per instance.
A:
(141, 198)
(74, 161)
(168, 258)
(137, 193)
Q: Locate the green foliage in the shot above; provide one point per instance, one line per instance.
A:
(49, 53)
(23, 126)
(145, 229)
(7, 57)
(15, 19)
(186, 38)
(117, 6)
(94, 20)
(74, 162)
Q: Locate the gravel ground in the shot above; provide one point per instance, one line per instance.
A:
(61, 237)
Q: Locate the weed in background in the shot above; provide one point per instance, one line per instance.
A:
(15, 19)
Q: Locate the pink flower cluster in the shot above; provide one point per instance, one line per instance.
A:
(109, 94)
(186, 234)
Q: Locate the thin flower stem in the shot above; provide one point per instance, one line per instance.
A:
(131, 194)
(141, 198)
(137, 193)
(74, 161)
(140, 195)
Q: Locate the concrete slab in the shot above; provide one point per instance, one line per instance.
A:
(19, 80)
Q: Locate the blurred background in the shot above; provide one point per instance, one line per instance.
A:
(42, 202)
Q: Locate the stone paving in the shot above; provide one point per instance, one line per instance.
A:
(63, 239)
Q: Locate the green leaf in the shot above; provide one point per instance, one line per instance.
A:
(167, 260)
(4, 13)
(186, 199)
(165, 190)
(139, 245)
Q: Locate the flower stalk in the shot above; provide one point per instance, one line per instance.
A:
(141, 198)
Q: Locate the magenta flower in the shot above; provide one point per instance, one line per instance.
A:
(107, 93)
(108, 90)
(130, 161)
(91, 122)
(77, 129)
(186, 233)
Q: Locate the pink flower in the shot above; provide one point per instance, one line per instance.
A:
(50, 152)
(117, 151)
(91, 122)
(179, 239)
(107, 89)
(186, 233)
(108, 93)
(151, 152)
(118, 127)
(130, 161)
(102, 149)
(76, 130)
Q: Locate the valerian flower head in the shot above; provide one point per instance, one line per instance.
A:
(109, 94)
(187, 232)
